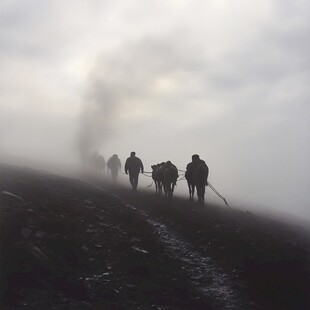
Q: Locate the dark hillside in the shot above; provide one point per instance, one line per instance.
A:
(68, 244)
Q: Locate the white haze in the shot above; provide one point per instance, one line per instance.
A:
(228, 80)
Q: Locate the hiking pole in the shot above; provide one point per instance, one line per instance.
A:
(217, 193)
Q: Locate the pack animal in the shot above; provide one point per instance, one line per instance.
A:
(170, 176)
(158, 179)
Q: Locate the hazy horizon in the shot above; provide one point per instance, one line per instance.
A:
(227, 80)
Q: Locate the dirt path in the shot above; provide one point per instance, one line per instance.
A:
(207, 278)
(265, 263)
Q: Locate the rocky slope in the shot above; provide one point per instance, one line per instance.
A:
(70, 244)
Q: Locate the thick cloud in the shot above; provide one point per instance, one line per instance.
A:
(228, 80)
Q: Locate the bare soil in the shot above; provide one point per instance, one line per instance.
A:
(72, 244)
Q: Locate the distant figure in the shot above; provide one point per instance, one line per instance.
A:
(101, 164)
(94, 161)
(170, 176)
(133, 166)
(196, 175)
(114, 164)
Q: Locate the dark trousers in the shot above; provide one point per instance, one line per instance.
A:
(114, 174)
(133, 178)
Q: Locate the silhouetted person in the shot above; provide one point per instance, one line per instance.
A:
(94, 161)
(133, 165)
(114, 164)
(196, 175)
(101, 164)
(196, 161)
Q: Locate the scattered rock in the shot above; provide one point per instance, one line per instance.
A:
(40, 234)
(140, 250)
(26, 232)
(13, 195)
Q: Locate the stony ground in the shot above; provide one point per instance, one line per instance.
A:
(70, 244)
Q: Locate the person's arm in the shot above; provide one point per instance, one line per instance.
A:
(141, 166)
(126, 166)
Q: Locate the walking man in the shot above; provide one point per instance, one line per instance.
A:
(133, 165)
(196, 175)
(114, 164)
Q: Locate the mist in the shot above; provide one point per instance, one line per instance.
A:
(228, 82)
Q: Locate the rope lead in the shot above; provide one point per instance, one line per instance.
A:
(149, 176)
(150, 184)
(217, 193)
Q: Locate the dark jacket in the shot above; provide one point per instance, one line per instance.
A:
(114, 164)
(192, 167)
(133, 165)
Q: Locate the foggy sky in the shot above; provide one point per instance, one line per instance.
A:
(228, 80)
